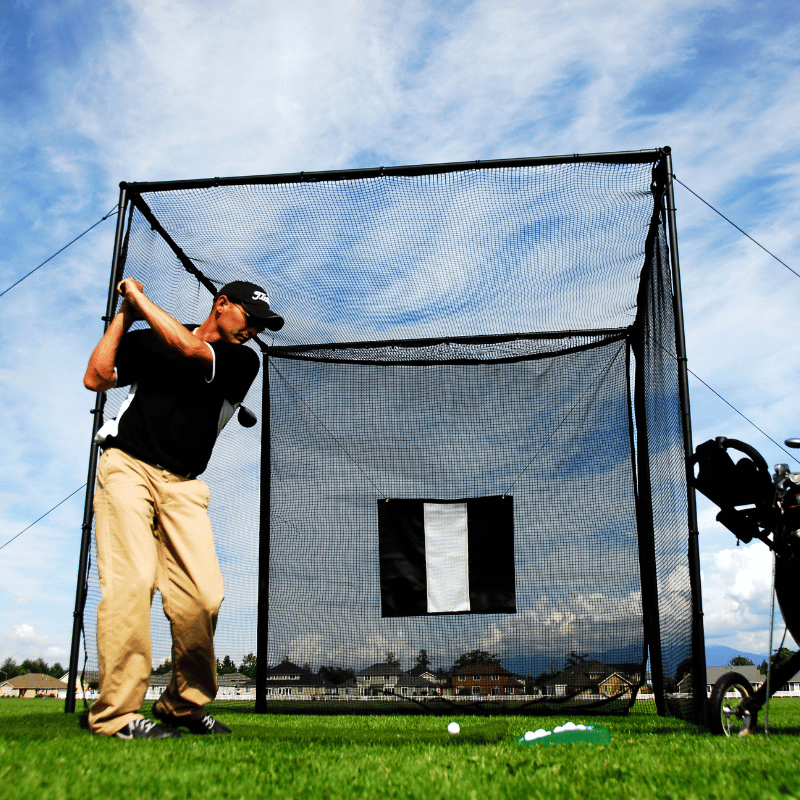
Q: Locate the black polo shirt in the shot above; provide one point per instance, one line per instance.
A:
(177, 405)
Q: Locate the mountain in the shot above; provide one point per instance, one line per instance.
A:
(718, 655)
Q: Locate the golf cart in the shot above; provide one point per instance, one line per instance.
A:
(754, 505)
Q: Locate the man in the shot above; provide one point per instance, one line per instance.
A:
(152, 525)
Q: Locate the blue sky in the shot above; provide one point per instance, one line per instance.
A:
(94, 93)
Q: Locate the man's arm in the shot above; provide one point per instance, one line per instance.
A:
(100, 372)
(176, 336)
(137, 305)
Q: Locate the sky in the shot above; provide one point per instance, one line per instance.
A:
(93, 93)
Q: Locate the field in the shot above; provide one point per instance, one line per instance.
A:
(45, 754)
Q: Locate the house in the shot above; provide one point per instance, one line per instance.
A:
(615, 684)
(288, 681)
(91, 678)
(790, 689)
(34, 684)
(236, 686)
(593, 678)
(428, 674)
(416, 686)
(156, 686)
(378, 678)
(486, 679)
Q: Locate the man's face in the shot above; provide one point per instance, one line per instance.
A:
(234, 325)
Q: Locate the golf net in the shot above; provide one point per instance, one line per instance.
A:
(477, 358)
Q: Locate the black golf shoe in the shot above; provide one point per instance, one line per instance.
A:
(146, 729)
(205, 725)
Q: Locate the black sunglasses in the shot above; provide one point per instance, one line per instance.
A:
(253, 322)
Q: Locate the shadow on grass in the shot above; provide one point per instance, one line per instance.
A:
(434, 708)
(479, 734)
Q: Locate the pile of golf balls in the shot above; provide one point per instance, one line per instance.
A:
(565, 728)
(531, 735)
(569, 726)
(453, 728)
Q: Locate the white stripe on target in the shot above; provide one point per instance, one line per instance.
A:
(446, 557)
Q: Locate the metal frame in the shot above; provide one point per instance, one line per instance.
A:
(698, 633)
(132, 193)
(624, 157)
(86, 529)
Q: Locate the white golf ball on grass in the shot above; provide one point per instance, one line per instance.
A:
(453, 728)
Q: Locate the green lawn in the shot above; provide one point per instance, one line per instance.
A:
(45, 754)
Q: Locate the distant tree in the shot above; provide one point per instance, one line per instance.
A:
(227, 667)
(34, 665)
(475, 657)
(336, 675)
(422, 659)
(248, 666)
(391, 660)
(163, 669)
(574, 658)
(740, 661)
(778, 659)
(307, 666)
(56, 671)
(10, 668)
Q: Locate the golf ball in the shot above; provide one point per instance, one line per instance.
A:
(453, 728)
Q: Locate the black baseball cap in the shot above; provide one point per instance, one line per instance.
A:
(253, 299)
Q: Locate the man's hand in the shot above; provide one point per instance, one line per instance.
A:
(133, 292)
(138, 305)
(129, 284)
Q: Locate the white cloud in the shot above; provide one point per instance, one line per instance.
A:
(737, 585)
(25, 632)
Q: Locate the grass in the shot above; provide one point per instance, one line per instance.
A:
(45, 754)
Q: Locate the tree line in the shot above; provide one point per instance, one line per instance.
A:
(11, 669)
(778, 659)
(339, 675)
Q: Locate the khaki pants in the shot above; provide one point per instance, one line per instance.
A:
(153, 532)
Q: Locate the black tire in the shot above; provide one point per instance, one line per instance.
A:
(723, 719)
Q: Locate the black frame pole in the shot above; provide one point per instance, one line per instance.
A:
(698, 633)
(86, 528)
(262, 623)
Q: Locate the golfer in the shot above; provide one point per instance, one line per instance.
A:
(152, 525)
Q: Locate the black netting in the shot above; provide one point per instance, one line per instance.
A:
(448, 336)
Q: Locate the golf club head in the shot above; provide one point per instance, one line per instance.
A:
(246, 417)
(795, 443)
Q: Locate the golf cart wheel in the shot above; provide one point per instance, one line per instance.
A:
(726, 697)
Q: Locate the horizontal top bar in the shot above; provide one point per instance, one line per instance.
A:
(499, 338)
(625, 157)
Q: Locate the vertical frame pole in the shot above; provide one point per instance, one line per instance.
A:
(86, 528)
(262, 624)
(698, 633)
